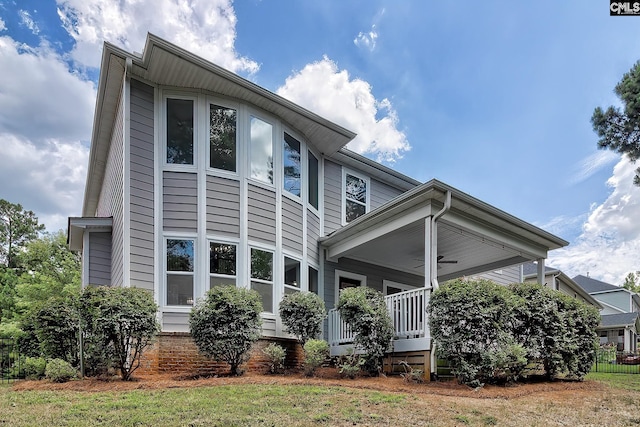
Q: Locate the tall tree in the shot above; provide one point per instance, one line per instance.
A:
(632, 282)
(17, 228)
(619, 130)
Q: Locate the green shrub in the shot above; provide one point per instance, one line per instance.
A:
(59, 371)
(275, 354)
(365, 311)
(315, 353)
(56, 326)
(120, 323)
(226, 323)
(471, 324)
(302, 314)
(34, 367)
(350, 364)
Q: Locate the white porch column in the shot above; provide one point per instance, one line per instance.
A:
(541, 271)
(428, 239)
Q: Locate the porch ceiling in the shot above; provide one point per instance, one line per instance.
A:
(476, 235)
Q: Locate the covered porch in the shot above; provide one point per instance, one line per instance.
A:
(438, 233)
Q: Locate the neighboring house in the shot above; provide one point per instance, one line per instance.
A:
(620, 324)
(198, 177)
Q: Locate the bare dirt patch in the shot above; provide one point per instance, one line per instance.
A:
(325, 377)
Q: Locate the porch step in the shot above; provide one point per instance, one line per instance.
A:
(416, 360)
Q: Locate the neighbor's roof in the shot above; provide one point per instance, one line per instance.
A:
(531, 269)
(164, 63)
(622, 319)
(592, 285)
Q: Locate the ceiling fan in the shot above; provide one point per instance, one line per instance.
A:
(440, 260)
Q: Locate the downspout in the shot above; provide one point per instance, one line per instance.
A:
(434, 240)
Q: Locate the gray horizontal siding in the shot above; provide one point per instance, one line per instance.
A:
(223, 206)
(381, 193)
(175, 322)
(504, 276)
(332, 196)
(180, 201)
(99, 259)
(142, 195)
(292, 230)
(313, 233)
(262, 214)
(268, 327)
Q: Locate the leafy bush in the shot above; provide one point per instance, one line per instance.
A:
(275, 355)
(315, 353)
(302, 314)
(350, 364)
(34, 367)
(120, 324)
(470, 322)
(365, 311)
(56, 327)
(226, 323)
(59, 371)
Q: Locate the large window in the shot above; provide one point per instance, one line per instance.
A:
(262, 276)
(222, 137)
(261, 150)
(180, 131)
(291, 155)
(313, 180)
(291, 275)
(222, 264)
(355, 196)
(180, 268)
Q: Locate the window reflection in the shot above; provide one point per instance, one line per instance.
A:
(261, 150)
(291, 153)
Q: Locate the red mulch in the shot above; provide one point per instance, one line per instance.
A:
(324, 377)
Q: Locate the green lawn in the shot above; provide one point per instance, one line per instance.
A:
(623, 381)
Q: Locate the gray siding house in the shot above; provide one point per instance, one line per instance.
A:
(198, 177)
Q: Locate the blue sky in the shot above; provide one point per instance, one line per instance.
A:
(492, 97)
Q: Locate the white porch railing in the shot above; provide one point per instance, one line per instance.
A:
(408, 311)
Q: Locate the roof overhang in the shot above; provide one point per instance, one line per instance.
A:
(79, 225)
(164, 63)
(477, 235)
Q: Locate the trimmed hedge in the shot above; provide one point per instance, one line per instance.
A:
(302, 314)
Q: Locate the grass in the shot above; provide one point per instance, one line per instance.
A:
(308, 405)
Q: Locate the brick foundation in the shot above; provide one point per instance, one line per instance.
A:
(176, 353)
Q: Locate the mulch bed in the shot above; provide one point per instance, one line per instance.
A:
(324, 377)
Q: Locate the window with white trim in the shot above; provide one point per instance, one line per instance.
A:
(291, 275)
(180, 271)
(355, 196)
(313, 280)
(222, 264)
(222, 137)
(292, 167)
(262, 276)
(261, 150)
(180, 131)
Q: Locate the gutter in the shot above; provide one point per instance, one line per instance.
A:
(434, 240)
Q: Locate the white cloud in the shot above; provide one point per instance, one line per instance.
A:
(47, 178)
(3, 26)
(609, 245)
(367, 40)
(39, 97)
(28, 21)
(46, 114)
(329, 92)
(204, 27)
(592, 164)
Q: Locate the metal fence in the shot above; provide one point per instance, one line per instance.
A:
(11, 361)
(618, 362)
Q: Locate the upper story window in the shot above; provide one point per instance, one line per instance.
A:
(291, 275)
(180, 131)
(180, 271)
(313, 180)
(222, 137)
(292, 164)
(261, 150)
(222, 264)
(262, 276)
(356, 198)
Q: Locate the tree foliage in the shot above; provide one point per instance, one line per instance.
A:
(619, 129)
(632, 282)
(226, 323)
(17, 227)
(56, 326)
(302, 314)
(365, 311)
